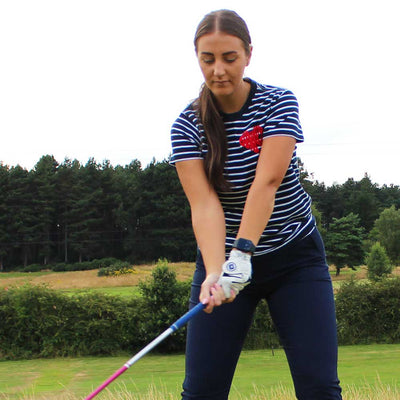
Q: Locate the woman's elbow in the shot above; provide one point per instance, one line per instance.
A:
(268, 184)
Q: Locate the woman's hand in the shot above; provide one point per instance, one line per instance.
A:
(236, 272)
(213, 294)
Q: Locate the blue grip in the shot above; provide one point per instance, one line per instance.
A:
(185, 318)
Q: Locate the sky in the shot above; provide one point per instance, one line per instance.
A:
(106, 79)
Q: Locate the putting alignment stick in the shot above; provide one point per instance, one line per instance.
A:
(174, 327)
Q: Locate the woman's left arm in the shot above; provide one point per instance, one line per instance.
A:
(275, 156)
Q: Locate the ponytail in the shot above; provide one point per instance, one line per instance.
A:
(215, 133)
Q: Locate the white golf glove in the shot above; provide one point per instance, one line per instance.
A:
(236, 272)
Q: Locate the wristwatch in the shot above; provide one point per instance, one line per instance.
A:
(244, 245)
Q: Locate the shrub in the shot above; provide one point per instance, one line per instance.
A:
(165, 300)
(105, 262)
(59, 267)
(378, 263)
(116, 269)
(81, 266)
(369, 312)
(39, 322)
(32, 317)
(104, 324)
(34, 268)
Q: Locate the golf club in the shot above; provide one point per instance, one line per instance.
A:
(175, 326)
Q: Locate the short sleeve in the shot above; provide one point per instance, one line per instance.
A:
(283, 117)
(185, 139)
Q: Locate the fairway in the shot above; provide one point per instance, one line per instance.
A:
(261, 370)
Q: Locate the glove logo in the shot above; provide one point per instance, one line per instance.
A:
(231, 266)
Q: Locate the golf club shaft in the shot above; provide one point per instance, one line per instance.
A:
(175, 326)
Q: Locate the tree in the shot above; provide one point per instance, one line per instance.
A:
(361, 199)
(389, 195)
(125, 181)
(86, 219)
(22, 215)
(4, 214)
(44, 204)
(318, 219)
(344, 242)
(378, 263)
(163, 225)
(67, 191)
(387, 232)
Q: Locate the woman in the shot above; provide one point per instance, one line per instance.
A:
(234, 149)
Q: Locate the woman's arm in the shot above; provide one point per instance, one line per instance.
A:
(274, 160)
(208, 222)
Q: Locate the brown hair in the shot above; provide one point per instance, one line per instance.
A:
(229, 22)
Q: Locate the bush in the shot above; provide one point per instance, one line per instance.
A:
(378, 263)
(116, 269)
(32, 318)
(78, 266)
(34, 268)
(165, 300)
(39, 322)
(369, 312)
(81, 266)
(105, 262)
(59, 267)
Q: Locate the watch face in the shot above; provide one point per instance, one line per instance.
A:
(244, 245)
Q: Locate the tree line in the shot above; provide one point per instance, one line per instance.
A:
(72, 212)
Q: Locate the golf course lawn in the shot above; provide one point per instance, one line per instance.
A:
(359, 366)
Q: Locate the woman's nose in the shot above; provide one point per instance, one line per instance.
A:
(219, 68)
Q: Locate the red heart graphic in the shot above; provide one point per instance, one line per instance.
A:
(252, 139)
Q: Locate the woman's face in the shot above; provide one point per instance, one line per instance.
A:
(222, 59)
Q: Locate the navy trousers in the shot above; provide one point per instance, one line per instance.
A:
(296, 283)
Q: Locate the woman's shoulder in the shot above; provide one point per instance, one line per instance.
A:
(271, 92)
(188, 114)
(188, 124)
(268, 98)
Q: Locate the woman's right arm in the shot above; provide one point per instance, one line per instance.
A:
(208, 222)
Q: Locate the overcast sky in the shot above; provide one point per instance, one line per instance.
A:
(106, 79)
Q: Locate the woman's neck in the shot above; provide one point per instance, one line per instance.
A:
(233, 103)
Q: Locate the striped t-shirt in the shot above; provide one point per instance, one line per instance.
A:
(268, 111)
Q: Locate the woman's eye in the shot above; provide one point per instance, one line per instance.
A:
(230, 60)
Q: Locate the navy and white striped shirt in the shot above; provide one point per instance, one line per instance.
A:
(269, 111)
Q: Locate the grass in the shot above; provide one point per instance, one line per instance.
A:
(370, 370)
(123, 291)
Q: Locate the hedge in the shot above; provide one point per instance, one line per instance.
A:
(369, 312)
(40, 322)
